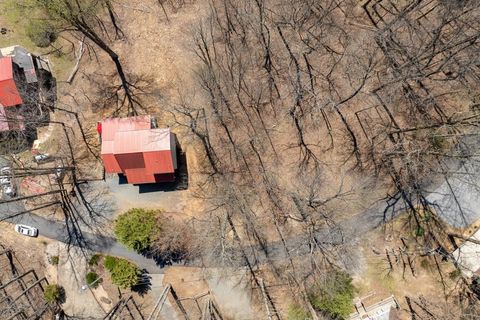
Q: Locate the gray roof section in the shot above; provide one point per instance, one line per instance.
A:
(23, 59)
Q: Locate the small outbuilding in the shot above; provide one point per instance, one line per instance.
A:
(136, 149)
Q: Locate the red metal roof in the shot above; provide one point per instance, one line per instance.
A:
(109, 161)
(139, 175)
(9, 95)
(110, 127)
(111, 164)
(130, 160)
(141, 141)
(159, 161)
(107, 147)
(143, 154)
(6, 68)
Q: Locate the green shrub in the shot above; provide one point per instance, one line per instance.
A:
(425, 264)
(334, 296)
(438, 143)
(419, 232)
(41, 32)
(427, 216)
(296, 312)
(110, 263)
(454, 274)
(137, 228)
(94, 260)
(53, 293)
(92, 280)
(54, 260)
(125, 274)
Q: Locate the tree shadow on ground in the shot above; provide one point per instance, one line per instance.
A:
(62, 298)
(164, 260)
(144, 284)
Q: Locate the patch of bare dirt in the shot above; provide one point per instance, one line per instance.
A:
(30, 252)
(228, 289)
(70, 274)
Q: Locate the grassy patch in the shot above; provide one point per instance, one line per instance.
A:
(53, 293)
(453, 275)
(41, 33)
(17, 24)
(54, 260)
(439, 143)
(297, 312)
(425, 264)
(92, 280)
(388, 282)
(334, 295)
(110, 263)
(419, 232)
(94, 260)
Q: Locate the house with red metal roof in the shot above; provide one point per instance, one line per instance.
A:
(23, 79)
(135, 148)
(9, 95)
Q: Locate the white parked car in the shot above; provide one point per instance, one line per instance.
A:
(6, 183)
(59, 172)
(42, 157)
(5, 175)
(26, 230)
(4, 180)
(9, 189)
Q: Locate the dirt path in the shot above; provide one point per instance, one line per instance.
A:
(71, 271)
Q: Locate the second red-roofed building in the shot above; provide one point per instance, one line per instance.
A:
(27, 91)
(9, 95)
(135, 148)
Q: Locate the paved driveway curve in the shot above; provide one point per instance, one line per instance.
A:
(58, 231)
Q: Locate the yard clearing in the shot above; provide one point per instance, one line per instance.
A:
(429, 277)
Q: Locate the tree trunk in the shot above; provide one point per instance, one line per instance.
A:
(91, 34)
